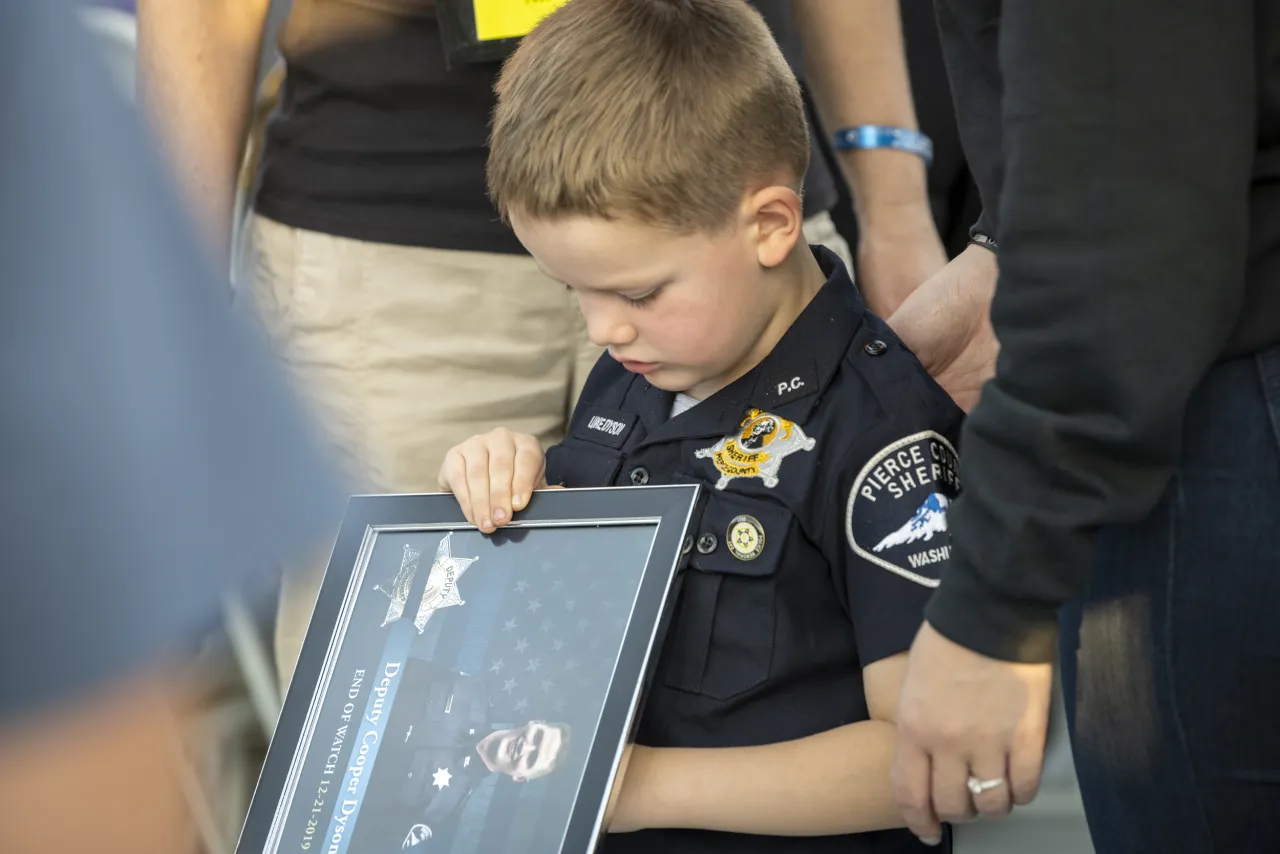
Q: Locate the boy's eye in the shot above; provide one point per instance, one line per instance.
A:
(642, 301)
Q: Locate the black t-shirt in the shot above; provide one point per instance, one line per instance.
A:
(377, 139)
(827, 472)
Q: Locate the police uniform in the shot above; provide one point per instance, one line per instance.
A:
(428, 764)
(827, 471)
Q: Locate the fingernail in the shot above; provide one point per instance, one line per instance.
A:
(500, 515)
(931, 840)
(517, 502)
(488, 523)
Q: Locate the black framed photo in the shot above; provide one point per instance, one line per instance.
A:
(467, 693)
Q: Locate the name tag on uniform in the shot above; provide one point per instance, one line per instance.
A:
(608, 427)
(510, 19)
(800, 381)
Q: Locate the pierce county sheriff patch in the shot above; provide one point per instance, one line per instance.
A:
(757, 449)
(896, 517)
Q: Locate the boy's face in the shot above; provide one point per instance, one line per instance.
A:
(690, 312)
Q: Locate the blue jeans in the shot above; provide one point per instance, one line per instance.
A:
(1171, 658)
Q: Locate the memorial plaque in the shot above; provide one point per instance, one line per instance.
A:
(468, 693)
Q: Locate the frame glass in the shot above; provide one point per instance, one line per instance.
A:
(468, 693)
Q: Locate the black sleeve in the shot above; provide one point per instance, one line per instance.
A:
(153, 455)
(889, 526)
(969, 29)
(1128, 133)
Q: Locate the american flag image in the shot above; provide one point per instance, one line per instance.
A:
(544, 612)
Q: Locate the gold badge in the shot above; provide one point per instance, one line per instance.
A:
(745, 538)
(757, 449)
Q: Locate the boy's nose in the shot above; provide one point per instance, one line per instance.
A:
(609, 331)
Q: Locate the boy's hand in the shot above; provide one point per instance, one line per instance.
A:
(493, 475)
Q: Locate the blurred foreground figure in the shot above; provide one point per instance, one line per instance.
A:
(152, 457)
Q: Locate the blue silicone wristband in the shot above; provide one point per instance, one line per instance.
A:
(876, 136)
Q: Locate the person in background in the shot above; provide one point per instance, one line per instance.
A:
(154, 456)
(407, 309)
(1121, 468)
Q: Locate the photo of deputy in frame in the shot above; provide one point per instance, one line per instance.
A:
(444, 741)
(466, 691)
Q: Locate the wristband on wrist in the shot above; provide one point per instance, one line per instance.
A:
(986, 241)
(865, 137)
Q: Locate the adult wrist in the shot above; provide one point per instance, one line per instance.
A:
(984, 241)
(972, 613)
(884, 137)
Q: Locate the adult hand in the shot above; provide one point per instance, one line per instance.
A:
(895, 256)
(946, 322)
(964, 715)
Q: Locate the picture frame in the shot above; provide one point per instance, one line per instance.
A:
(468, 693)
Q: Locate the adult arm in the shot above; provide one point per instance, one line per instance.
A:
(197, 61)
(1123, 227)
(856, 67)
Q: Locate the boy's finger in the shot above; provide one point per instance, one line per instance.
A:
(530, 465)
(478, 488)
(912, 790)
(453, 478)
(502, 464)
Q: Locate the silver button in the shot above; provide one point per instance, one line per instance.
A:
(707, 544)
(639, 476)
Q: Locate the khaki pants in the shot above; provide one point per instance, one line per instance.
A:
(403, 352)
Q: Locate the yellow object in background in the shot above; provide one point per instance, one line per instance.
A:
(510, 19)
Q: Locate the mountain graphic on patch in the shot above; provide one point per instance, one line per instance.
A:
(929, 519)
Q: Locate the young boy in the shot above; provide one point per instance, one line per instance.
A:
(649, 153)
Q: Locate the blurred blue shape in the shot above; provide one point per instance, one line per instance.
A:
(153, 455)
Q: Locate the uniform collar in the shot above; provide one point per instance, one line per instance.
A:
(788, 382)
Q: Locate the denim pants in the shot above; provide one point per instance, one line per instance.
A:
(1171, 658)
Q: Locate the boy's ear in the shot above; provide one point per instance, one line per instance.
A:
(778, 223)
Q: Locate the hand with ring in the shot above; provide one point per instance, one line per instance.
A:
(971, 735)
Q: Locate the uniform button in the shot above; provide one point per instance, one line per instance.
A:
(688, 544)
(875, 348)
(639, 476)
(707, 544)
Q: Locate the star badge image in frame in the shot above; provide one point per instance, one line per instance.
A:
(442, 584)
(441, 778)
(745, 537)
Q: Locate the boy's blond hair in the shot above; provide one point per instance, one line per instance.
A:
(659, 111)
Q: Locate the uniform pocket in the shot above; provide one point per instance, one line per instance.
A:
(578, 464)
(722, 631)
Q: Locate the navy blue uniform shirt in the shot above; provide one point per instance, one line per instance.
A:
(827, 470)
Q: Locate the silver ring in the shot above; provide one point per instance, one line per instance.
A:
(977, 787)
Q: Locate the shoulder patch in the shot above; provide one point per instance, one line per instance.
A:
(896, 517)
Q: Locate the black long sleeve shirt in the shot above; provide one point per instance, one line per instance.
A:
(1128, 156)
